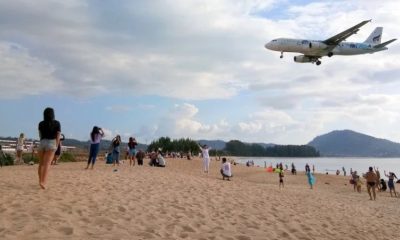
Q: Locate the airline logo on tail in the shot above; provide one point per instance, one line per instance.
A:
(376, 39)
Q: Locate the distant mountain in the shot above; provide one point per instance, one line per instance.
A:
(214, 144)
(347, 143)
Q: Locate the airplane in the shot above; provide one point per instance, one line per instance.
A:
(313, 50)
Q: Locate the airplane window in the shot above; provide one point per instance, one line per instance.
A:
(274, 40)
(352, 46)
(304, 42)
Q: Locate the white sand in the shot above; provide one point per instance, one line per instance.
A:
(180, 202)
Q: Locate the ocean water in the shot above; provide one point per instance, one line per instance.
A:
(330, 165)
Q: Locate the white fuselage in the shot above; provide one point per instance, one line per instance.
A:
(318, 48)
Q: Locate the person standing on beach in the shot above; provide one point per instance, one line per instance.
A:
(206, 157)
(378, 178)
(20, 148)
(294, 172)
(95, 138)
(307, 168)
(57, 154)
(371, 177)
(115, 149)
(49, 133)
(281, 175)
(132, 151)
(391, 177)
(311, 179)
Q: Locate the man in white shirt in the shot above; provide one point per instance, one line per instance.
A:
(206, 157)
(226, 169)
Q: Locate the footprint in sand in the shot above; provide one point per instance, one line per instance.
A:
(66, 230)
(121, 209)
(242, 237)
(187, 229)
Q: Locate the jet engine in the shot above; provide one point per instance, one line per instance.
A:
(317, 45)
(302, 59)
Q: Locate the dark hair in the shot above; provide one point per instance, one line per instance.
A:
(131, 139)
(94, 132)
(370, 169)
(223, 159)
(48, 115)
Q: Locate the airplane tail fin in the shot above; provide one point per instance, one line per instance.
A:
(381, 45)
(375, 36)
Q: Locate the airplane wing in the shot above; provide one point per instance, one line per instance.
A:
(385, 43)
(338, 38)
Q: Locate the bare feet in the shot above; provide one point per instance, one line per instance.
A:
(42, 186)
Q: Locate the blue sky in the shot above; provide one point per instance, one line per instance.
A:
(194, 69)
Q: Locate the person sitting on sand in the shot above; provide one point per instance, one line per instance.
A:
(391, 177)
(160, 160)
(226, 171)
(370, 176)
(383, 185)
(311, 179)
(153, 159)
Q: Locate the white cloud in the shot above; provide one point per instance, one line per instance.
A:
(196, 50)
(21, 74)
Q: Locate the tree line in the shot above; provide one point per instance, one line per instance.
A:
(238, 148)
(234, 148)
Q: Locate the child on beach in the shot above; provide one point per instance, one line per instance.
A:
(358, 183)
(226, 171)
(391, 177)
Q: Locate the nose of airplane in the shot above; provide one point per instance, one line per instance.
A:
(268, 45)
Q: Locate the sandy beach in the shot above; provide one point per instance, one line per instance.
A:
(181, 202)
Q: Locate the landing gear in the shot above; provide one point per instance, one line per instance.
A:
(281, 55)
(330, 54)
(318, 62)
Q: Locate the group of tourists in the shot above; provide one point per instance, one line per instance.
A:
(374, 181)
